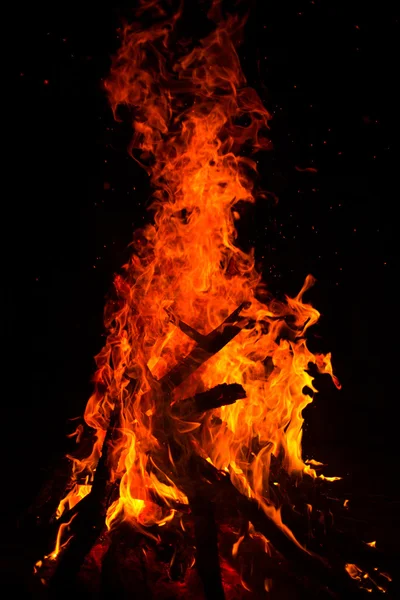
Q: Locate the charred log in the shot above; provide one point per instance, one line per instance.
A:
(220, 395)
(88, 522)
(209, 346)
(207, 555)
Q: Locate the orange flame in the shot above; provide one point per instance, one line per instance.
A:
(60, 543)
(194, 122)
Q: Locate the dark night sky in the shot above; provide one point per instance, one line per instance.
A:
(327, 71)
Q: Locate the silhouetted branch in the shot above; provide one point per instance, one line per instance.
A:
(210, 345)
(220, 395)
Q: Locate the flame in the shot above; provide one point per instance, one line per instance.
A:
(235, 547)
(354, 571)
(196, 125)
(365, 580)
(74, 496)
(60, 543)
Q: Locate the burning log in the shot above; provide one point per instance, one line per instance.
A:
(207, 556)
(203, 351)
(220, 395)
(89, 520)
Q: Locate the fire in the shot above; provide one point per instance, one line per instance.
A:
(196, 126)
(60, 543)
(73, 497)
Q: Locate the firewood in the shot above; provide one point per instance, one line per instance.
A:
(89, 521)
(220, 395)
(207, 555)
(199, 338)
(210, 345)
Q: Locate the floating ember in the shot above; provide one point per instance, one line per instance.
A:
(191, 442)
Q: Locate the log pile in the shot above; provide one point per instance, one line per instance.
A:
(234, 543)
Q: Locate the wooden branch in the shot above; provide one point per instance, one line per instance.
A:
(220, 395)
(170, 504)
(207, 555)
(210, 345)
(88, 522)
(199, 338)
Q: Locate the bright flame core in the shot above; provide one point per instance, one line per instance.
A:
(193, 119)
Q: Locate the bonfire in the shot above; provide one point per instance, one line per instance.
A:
(188, 479)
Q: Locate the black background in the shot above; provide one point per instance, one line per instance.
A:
(327, 71)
